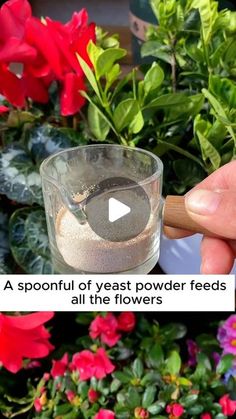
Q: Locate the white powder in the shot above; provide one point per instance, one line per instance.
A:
(83, 250)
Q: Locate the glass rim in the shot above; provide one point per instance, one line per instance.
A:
(158, 172)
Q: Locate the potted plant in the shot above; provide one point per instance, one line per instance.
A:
(125, 366)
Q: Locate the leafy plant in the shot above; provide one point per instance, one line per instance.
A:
(157, 377)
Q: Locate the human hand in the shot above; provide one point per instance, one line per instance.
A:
(212, 204)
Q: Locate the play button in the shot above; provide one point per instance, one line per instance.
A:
(119, 210)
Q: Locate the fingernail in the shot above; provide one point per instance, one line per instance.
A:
(203, 202)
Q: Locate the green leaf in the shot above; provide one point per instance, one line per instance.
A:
(30, 260)
(148, 396)
(19, 177)
(224, 89)
(6, 262)
(181, 151)
(97, 124)
(167, 100)
(137, 368)
(219, 111)
(137, 123)
(124, 113)
(173, 363)
(45, 140)
(112, 76)
(189, 400)
(93, 52)
(174, 331)
(106, 60)
(151, 377)
(133, 398)
(115, 385)
(209, 151)
(158, 50)
(184, 382)
(153, 78)
(36, 231)
(156, 408)
(155, 355)
(122, 377)
(188, 172)
(192, 21)
(90, 76)
(225, 364)
(62, 409)
(197, 409)
(208, 14)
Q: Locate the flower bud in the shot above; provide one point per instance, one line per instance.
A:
(141, 413)
(93, 395)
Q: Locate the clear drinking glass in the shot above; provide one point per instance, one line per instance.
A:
(69, 176)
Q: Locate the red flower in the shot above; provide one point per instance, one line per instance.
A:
(228, 406)
(13, 15)
(23, 337)
(91, 365)
(103, 365)
(206, 416)
(175, 409)
(83, 362)
(106, 328)
(105, 414)
(93, 395)
(126, 321)
(4, 109)
(71, 99)
(47, 50)
(59, 367)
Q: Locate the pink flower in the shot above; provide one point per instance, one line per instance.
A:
(105, 328)
(37, 405)
(91, 364)
(93, 395)
(228, 406)
(206, 416)
(46, 376)
(59, 367)
(230, 325)
(175, 409)
(84, 363)
(193, 350)
(103, 365)
(70, 395)
(229, 345)
(105, 414)
(126, 321)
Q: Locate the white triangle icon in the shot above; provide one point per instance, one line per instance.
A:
(116, 209)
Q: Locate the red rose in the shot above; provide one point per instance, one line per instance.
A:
(59, 367)
(228, 406)
(23, 337)
(93, 395)
(126, 321)
(105, 414)
(175, 409)
(105, 328)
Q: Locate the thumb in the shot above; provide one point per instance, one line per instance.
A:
(214, 210)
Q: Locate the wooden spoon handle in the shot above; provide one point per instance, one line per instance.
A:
(176, 215)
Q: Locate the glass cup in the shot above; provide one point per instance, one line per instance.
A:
(71, 176)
